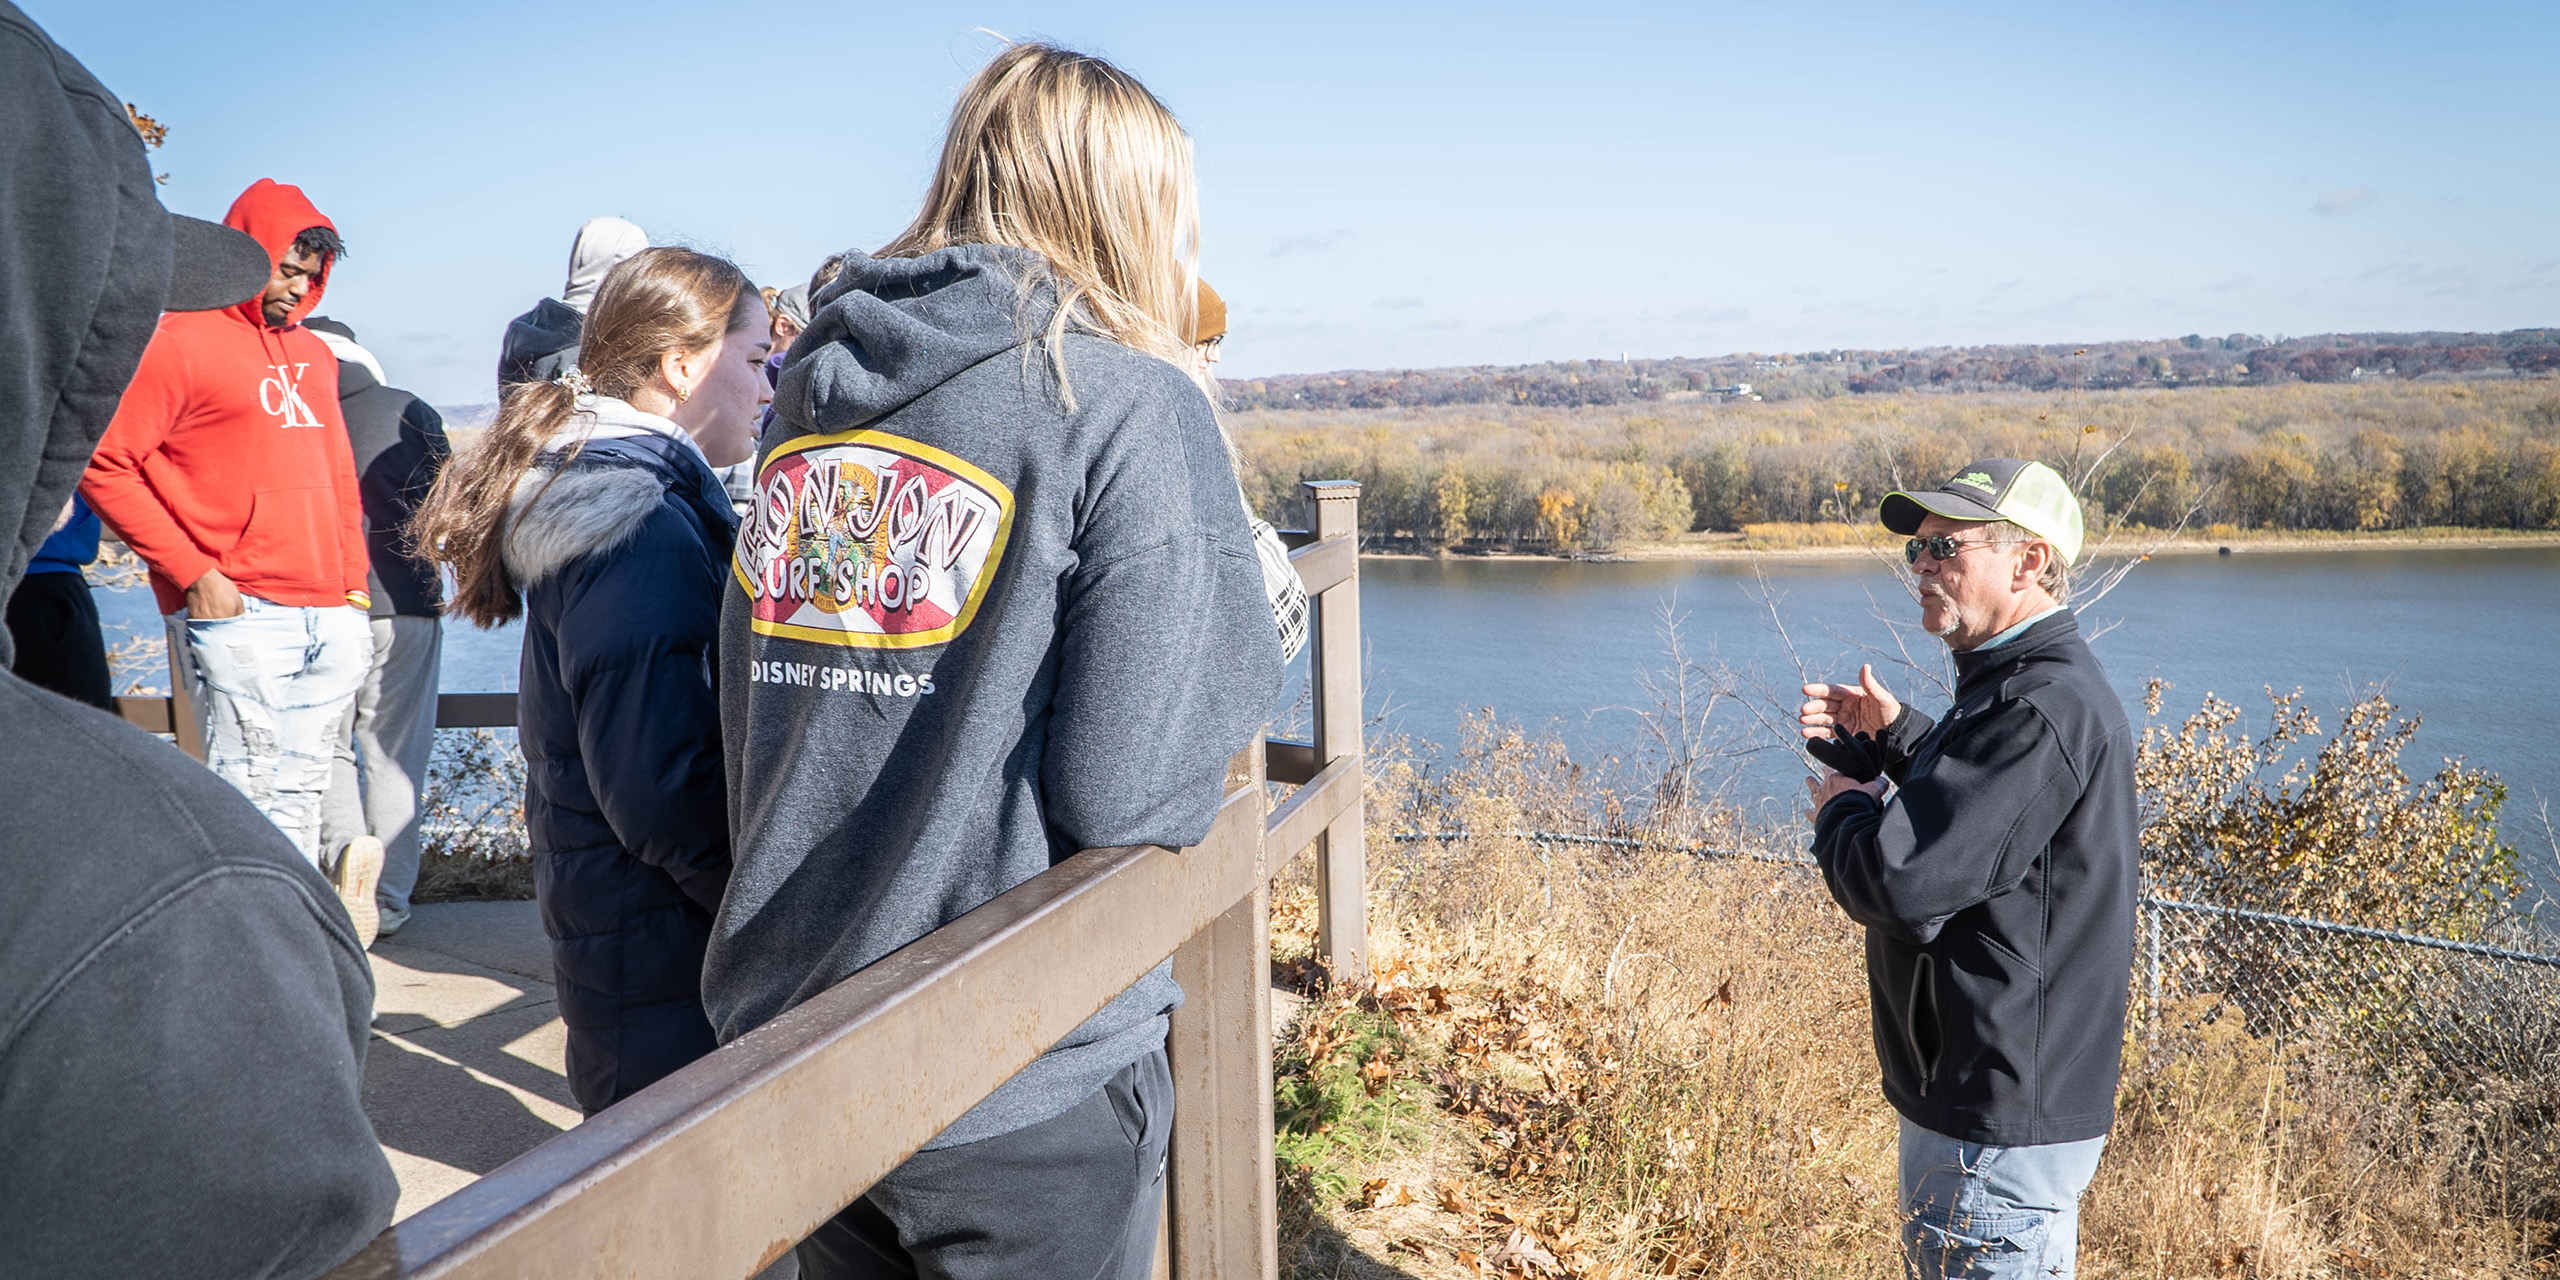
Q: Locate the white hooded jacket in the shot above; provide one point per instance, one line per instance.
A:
(601, 245)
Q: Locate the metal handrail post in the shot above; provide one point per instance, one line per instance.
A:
(1342, 859)
(183, 723)
(1223, 1209)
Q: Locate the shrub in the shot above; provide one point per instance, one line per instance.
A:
(2344, 835)
(471, 815)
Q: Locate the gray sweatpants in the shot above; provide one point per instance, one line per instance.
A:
(1074, 1196)
(381, 771)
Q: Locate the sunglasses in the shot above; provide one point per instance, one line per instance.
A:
(1940, 547)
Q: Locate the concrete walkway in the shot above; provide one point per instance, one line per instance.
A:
(465, 1072)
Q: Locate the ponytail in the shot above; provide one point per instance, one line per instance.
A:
(463, 522)
(655, 302)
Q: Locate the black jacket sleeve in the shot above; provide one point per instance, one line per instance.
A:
(213, 1125)
(1961, 829)
(637, 632)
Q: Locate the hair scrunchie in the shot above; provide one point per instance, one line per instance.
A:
(575, 381)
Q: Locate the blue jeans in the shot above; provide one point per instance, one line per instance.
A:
(271, 689)
(1979, 1212)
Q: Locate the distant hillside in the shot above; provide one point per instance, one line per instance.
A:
(467, 417)
(2238, 359)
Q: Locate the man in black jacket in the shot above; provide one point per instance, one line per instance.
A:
(1996, 880)
(183, 1006)
(381, 770)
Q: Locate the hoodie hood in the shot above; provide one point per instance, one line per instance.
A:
(349, 353)
(86, 252)
(601, 244)
(273, 214)
(889, 330)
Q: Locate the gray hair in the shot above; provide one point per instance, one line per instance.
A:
(2056, 578)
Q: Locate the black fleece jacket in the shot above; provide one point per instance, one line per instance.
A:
(1997, 885)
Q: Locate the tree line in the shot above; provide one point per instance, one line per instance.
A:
(2193, 361)
(2362, 456)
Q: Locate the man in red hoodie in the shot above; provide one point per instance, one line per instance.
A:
(227, 470)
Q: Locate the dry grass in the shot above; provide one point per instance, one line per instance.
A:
(1645, 1063)
(1784, 535)
(446, 875)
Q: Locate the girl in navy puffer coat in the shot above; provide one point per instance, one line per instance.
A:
(592, 509)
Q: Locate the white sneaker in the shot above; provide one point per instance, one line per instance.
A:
(359, 872)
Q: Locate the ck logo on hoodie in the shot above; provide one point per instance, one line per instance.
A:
(869, 540)
(280, 393)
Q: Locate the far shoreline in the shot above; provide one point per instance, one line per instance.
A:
(1735, 546)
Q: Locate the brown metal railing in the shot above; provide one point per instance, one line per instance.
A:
(719, 1168)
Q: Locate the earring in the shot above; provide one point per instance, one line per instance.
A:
(683, 394)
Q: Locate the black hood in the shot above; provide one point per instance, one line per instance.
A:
(84, 247)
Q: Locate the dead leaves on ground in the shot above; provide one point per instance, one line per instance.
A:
(1380, 1193)
(1493, 1237)
(1518, 1065)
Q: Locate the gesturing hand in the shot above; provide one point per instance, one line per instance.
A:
(1864, 707)
(1831, 784)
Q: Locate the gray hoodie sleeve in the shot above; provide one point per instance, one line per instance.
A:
(1168, 657)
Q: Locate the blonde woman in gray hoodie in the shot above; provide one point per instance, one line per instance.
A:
(994, 601)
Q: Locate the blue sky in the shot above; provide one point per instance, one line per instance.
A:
(1418, 185)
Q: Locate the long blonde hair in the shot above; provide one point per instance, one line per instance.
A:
(655, 302)
(1070, 157)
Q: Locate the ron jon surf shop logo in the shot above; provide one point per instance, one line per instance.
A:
(869, 540)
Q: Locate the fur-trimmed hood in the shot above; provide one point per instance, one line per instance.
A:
(598, 479)
(587, 506)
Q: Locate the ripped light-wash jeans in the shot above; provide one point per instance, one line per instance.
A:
(271, 689)
(1976, 1212)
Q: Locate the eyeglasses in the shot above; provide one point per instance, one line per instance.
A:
(1940, 547)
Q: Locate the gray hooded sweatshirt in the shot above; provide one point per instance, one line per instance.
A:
(969, 633)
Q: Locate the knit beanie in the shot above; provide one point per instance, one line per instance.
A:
(794, 303)
(1213, 316)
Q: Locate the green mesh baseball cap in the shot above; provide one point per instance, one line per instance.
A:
(2030, 495)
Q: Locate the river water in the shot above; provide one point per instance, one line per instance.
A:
(2464, 638)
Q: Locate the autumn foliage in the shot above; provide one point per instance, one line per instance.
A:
(2366, 456)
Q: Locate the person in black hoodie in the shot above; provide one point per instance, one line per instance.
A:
(591, 510)
(544, 340)
(381, 769)
(184, 1007)
(1996, 881)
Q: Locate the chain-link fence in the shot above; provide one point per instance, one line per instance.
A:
(2454, 1008)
